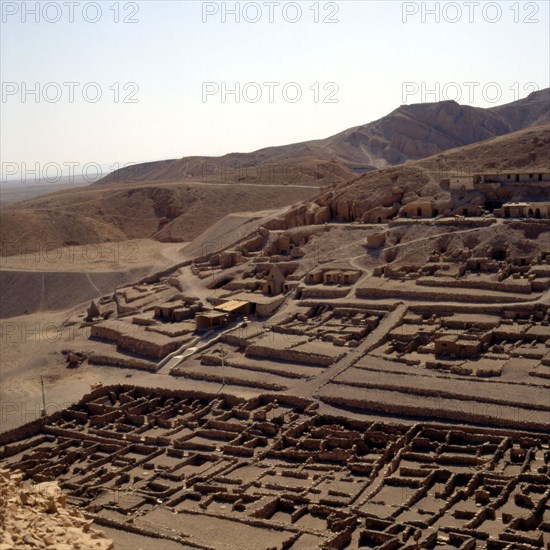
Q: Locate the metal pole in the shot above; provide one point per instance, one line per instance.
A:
(43, 412)
(223, 367)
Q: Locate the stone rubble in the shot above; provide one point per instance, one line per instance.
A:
(35, 515)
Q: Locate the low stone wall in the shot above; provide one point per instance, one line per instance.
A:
(290, 355)
(403, 409)
(220, 379)
(324, 292)
(214, 360)
(150, 348)
(371, 308)
(110, 330)
(123, 362)
(499, 286)
(394, 293)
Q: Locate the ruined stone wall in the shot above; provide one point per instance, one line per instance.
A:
(147, 348)
(430, 295)
(123, 362)
(401, 409)
(324, 292)
(290, 355)
(524, 287)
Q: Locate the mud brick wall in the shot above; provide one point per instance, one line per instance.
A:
(525, 288)
(430, 295)
(150, 349)
(105, 332)
(407, 410)
(123, 362)
(292, 356)
(325, 292)
(20, 447)
(228, 379)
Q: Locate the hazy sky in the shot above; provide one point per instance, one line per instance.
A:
(161, 69)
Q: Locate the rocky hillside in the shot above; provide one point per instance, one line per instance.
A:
(411, 132)
(384, 192)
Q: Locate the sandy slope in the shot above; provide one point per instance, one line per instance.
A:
(168, 212)
(46, 280)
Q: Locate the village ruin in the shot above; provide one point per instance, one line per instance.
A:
(189, 467)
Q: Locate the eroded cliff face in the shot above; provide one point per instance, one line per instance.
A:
(417, 131)
(36, 515)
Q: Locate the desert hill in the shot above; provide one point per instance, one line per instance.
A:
(175, 212)
(381, 194)
(169, 212)
(168, 203)
(410, 132)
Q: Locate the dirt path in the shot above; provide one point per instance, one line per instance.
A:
(99, 293)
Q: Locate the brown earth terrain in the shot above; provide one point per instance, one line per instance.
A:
(178, 200)
(40, 279)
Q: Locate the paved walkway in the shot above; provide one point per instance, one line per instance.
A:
(189, 349)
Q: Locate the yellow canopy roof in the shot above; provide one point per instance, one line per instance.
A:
(231, 306)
